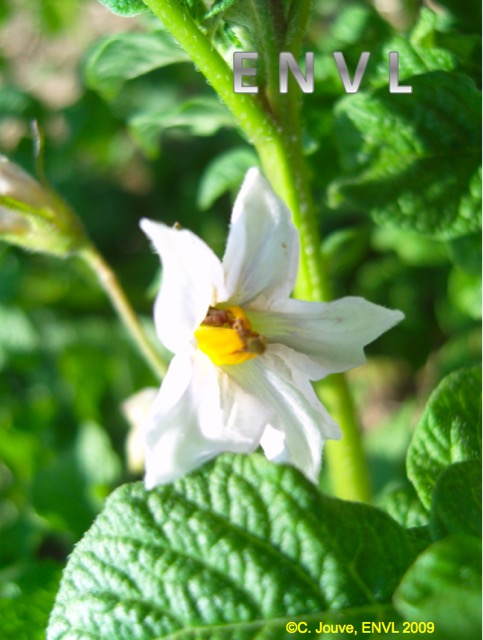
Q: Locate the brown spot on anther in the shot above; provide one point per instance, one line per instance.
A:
(216, 317)
(252, 341)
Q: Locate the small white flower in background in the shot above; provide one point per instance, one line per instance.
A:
(245, 352)
(135, 410)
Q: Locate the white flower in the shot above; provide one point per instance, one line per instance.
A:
(245, 352)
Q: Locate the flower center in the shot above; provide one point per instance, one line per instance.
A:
(226, 336)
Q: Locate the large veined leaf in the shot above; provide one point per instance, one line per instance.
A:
(413, 160)
(235, 550)
(448, 432)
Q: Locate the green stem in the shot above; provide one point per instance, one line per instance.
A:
(279, 146)
(345, 458)
(258, 125)
(264, 19)
(111, 286)
(298, 19)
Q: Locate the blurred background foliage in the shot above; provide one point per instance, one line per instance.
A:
(128, 136)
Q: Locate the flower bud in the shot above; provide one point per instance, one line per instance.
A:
(34, 216)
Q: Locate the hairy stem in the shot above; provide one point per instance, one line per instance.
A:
(345, 459)
(298, 19)
(111, 286)
(269, 40)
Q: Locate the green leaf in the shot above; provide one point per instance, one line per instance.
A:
(125, 56)
(462, 350)
(26, 597)
(423, 32)
(18, 104)
(125, 8)
(195, 8)
(345, 249)
(20, 528)
(199, 117)
(467, 13)
(466, 253)
(220, 6)
(96, 458)
(386, 446)
(402, 504)
(412, 248)
(444, 587)
(415, 58)
(413, 161)
(456, 504)
(449, 431)
(17, 333)
(54, 17)
(68, 491)
(220, 547)
(464, 291)
(225, 172)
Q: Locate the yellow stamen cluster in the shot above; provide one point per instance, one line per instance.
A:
(227, 337)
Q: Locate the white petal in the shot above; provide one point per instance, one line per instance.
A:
(243, 416)
(300, 370)
(299, 415)
(331, 334)
(198, 413)
(274, 445)
(261, 257)
(192, 280)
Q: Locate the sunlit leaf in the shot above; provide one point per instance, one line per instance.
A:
(235, 550)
